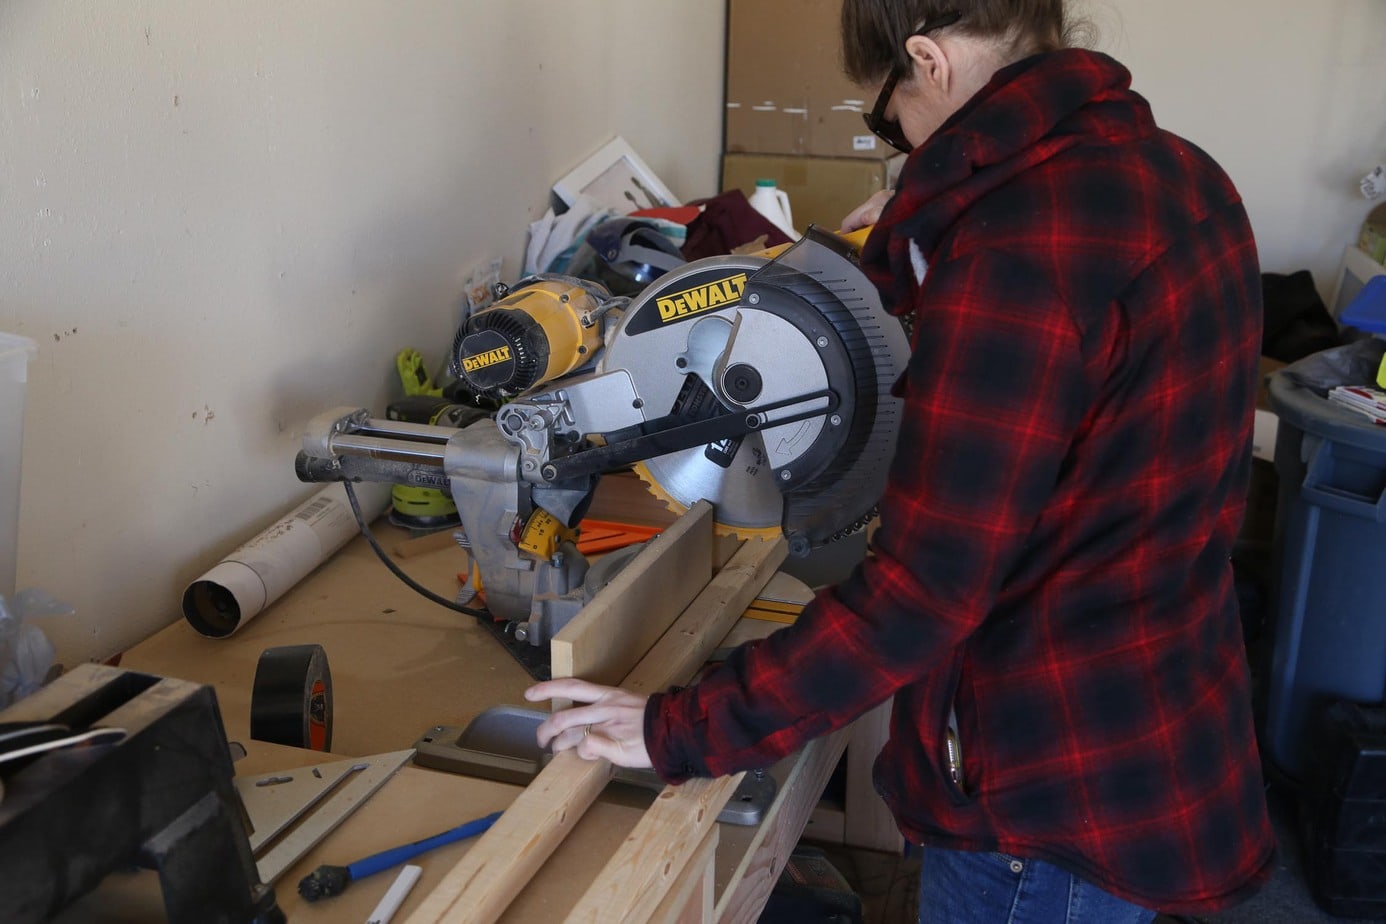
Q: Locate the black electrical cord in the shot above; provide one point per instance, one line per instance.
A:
(398, 572)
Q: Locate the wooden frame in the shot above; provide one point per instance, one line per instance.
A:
(632, 886)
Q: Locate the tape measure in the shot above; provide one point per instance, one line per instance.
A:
(291, 701)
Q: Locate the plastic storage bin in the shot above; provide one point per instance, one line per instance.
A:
(15, 353)
(1329, 545)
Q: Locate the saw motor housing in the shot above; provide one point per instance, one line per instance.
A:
(543, 328)
(761, 385)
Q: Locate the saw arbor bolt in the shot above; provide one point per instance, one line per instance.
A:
(742, 383)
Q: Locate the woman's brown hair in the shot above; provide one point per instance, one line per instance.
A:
(874, 31)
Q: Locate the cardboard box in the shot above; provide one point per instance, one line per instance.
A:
(822, 190)
(786, 93)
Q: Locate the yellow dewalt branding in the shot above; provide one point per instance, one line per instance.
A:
(701, 298)
(482, 360)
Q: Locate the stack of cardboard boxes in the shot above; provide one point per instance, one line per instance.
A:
(793, 117)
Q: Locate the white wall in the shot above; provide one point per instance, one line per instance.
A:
(221, 218)
(1289, 96)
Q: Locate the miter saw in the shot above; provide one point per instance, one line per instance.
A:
(760, 383)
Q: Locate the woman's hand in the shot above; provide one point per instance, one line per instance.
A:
(869, 212)
(612, 727)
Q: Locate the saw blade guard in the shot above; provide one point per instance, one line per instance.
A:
(804, 334)
(833, 485)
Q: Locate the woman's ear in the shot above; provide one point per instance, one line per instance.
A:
(931, 63)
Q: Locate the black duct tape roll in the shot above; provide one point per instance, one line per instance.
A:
(291, 702)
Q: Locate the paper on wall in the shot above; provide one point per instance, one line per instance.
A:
(260, 571)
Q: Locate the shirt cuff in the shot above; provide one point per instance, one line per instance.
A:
(676, 757)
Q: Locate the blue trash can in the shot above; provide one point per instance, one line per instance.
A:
(1329, 579)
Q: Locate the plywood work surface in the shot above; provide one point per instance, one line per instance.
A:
(400, 663)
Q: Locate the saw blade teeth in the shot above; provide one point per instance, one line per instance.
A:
(677, 507)
(642, 471)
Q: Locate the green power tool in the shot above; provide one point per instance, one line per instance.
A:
(417, 507)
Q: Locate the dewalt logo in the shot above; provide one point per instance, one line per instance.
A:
(701, 298)
(482, 360)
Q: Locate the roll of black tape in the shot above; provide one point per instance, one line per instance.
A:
(291, 701)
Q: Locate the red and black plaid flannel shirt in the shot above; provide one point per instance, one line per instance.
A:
(1052, 562)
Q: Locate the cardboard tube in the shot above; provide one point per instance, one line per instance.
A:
(255, 575)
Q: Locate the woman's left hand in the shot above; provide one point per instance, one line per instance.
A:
(611, 727)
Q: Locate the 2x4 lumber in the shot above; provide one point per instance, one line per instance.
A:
(655, 856)
(631, 885)
(691, 899)
(685, 648)
(489, 876)
(612, 633)
(748, 889)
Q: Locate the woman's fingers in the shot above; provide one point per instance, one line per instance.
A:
(869, 212)
(611, 727)
(580, 691)
(579, 717)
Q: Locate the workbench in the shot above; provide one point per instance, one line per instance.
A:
(399, 666)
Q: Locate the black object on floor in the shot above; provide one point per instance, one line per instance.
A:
(811, 891)
(1343, 810)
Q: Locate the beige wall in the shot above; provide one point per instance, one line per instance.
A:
(1289, 96)
(220, 218)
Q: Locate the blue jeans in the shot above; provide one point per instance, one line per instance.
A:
(958, 887)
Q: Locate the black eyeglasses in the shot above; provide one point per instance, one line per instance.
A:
(888, 130)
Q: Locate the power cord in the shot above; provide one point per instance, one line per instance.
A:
(398, 572)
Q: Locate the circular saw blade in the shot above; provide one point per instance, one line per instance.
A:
(755, 522)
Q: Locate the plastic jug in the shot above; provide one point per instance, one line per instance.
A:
(773, 203)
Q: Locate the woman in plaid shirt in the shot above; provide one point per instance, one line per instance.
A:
(1050, 589)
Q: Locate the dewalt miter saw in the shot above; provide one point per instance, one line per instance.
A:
(759, 383)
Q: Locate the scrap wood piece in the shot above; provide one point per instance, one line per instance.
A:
(487, 879)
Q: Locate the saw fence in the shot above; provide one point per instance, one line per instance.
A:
(653, 626)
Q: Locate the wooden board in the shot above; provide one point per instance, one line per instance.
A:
(708, 619)
(745, 894)
(653, 859)
(868, 823)
(491, 875)
(692, 899)
(654, 856)
(613, 632)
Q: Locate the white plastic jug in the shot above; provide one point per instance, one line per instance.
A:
(773, 203)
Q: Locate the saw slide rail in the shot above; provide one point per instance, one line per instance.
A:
(664, 869)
